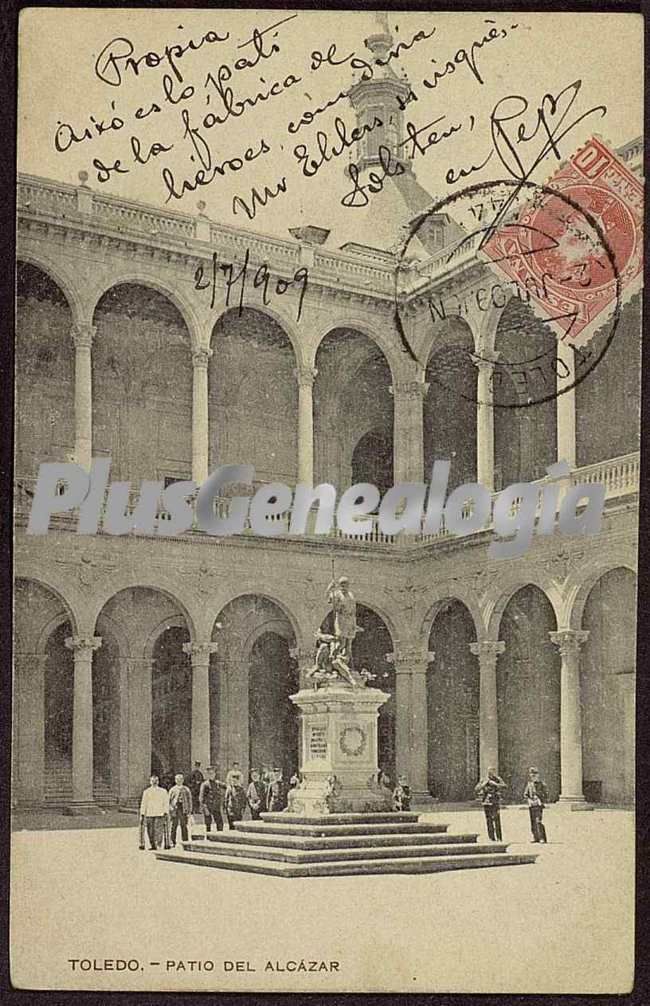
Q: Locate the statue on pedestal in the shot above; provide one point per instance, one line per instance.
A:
(344, 607)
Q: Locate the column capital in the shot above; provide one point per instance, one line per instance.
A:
(487, 649)
(410, 660)
(409, 389)
(83, 644)
(485, 361)
(569, 641)
(83, 335)
(200, 357)
(200, 652)
(305, 376)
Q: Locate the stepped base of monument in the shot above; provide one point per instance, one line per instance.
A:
(286, 845)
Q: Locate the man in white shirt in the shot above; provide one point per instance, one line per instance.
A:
(154, 813)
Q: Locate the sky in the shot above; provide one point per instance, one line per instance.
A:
(64, 53)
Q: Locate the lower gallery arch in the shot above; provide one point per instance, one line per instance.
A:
(171, 705)
(370, 649)
(528, 693)
(453, 705)
(253, 721)
(607, 686)
(42, 696)
(142, 692)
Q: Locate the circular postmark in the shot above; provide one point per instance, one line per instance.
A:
(544, 262)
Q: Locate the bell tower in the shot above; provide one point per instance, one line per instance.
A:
(382, 98)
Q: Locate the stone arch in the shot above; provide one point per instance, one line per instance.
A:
(607, 687)
(268, 595)
(67, 607)
(253, 394)
(254, 673)
(45, 369)
(377, 335)
(137, 277)
(525, 417)
(351, 395)
(582, 582)
(453, 699)
(450, 331)
(135, 581)
(280, 319)
(60, 277)
(467, 598)
(499, 596)
(143, 382)
(528, 691)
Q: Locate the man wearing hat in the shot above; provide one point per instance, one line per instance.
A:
(536, 796)
(211, 800)
(196, 779)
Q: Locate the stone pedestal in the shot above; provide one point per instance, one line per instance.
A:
(338, 752)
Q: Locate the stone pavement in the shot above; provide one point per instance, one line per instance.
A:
(561, 925)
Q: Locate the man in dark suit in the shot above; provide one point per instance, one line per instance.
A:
(488, 791)
(211, 801)
(536, 796)
(196, 779)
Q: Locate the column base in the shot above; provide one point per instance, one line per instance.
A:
(574, 803)
(82, 808)
(423, 799)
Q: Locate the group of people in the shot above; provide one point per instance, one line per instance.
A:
(490, 791)
(164, 809)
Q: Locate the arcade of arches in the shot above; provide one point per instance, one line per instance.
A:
(97, 707)
(348, 418)
(95, 714)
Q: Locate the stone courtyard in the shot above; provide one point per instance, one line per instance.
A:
(560, 925)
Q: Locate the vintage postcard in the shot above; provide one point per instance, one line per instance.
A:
(327, 429)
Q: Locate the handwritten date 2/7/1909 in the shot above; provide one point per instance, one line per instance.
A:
(262, 280)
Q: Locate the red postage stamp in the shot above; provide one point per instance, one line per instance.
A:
(579, 253)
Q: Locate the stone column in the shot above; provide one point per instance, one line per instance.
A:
(485, 419)
(408, 436)
(83, 395)
(83, 648)
(569, 642)
(200, 744)
(29, 752)
(566, 405)
(411, 740)
(305, 377)
(200, 426)
(139, 673)
(487, 652)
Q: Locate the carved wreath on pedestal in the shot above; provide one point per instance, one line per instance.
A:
(352, 740)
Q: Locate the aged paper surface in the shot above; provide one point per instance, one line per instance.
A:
(337, 247)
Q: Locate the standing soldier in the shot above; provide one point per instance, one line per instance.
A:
(255, 795)
(488, 791)
(536, 796)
